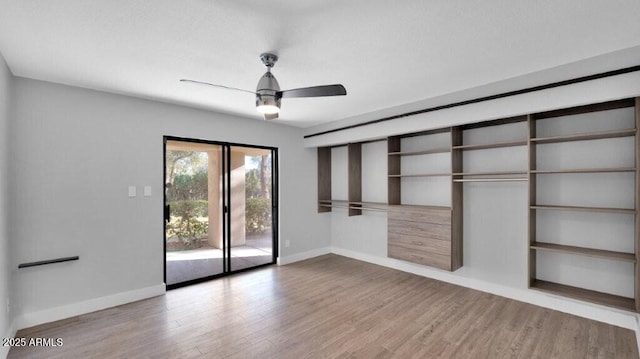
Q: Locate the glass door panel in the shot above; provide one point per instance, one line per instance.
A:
(251, 235)
(194, 245)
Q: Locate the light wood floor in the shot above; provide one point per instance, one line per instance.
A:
(329, 307)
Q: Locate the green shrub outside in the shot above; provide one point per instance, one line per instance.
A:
(189, 231)
(187, 222)
(189, 208)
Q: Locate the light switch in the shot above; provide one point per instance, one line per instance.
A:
(132, 191)
(147, 191)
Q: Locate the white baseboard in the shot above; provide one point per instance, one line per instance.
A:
(66, 311)
(600, 313)
(638, 331)
(304, 255)
(11, 333)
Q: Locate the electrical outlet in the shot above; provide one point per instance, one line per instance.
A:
(287, 243)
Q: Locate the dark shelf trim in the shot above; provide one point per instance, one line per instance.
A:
(49, 261)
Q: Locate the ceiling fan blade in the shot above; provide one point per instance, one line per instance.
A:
(270, 116)
(214, 85)
(315, 91)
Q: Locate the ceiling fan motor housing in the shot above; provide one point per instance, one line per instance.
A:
(267, 91)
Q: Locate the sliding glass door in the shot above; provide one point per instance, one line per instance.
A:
(251, 194)
(220, 202)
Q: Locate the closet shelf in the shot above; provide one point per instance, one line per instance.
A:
(585, 209)
(586, 170)
(513, 179)
(422, 175)
(589, 252)
(585, 136)
(610, 300)
(423, 152)
(461, 176)
(490, 145)
(494, 173)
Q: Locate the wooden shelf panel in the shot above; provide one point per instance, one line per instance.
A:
(609, 300)
(585, 209)
(423, 152)
(324, 176)
(589, 252)
(422, 175)
(494, 173)
(586, 170)
(585, 136)
(490, 145)
(513, 179)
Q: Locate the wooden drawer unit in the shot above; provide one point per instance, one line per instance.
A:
(424, 214)
(422, 235)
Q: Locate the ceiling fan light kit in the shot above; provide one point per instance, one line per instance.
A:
(267, 98)
(268, 93)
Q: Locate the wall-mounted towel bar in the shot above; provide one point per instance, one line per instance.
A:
(50, 261)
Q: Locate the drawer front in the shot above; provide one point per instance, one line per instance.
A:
(420, 229)
(425, 244)
(424, 214)
(419, 257)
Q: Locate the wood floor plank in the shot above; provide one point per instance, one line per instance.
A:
(329, 307)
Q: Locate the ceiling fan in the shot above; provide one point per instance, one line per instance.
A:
(268, 93)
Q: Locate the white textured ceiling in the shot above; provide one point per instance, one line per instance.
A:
(386, 53)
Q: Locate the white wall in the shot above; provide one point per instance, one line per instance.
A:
(366, 233)
(5, 266)
(605, 89)
(75, 152)
(496, 214)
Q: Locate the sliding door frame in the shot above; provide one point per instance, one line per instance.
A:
(226, 207)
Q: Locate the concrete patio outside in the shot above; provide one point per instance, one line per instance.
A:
(207, 261)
